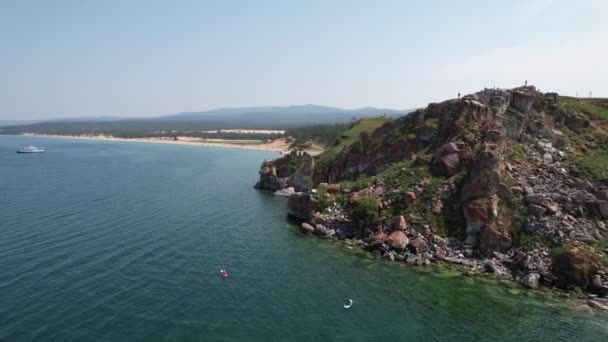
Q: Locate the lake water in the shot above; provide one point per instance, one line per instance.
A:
(112, 241)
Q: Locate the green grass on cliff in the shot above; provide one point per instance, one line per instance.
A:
(404, 176)
(350, 136)
(595, 107)
(590, 153)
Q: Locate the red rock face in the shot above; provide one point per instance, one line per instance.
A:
(480, 195)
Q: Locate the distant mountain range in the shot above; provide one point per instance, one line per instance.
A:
(81, 119)
(291, 113)
(225, 118)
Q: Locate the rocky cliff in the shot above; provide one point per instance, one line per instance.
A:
(288, 174)
(512, 182)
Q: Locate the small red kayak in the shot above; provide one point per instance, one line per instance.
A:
(224, 273)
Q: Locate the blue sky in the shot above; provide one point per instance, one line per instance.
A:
(145, 58)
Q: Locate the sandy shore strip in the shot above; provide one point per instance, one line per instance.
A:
(277, 145)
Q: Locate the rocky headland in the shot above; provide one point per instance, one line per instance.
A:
(508, 182)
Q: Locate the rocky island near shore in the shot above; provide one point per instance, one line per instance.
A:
(510, 182)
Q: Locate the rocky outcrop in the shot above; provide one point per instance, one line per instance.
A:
(292, 170)
(302, 177)
(483, 182)
(523, 99)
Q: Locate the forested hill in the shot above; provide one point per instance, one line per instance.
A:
(228, 118)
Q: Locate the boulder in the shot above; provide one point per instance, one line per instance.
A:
(449, 163)
(530, 280)
(285, 192)
(552, 208)
(410, 198)
(410, 258)
(597, 286)
(397, 240)
(450, 148)
(602, 195)
(320, 230)
(440, 253)
(377, 241)
(573, 267)
(367, 192)
(538, 199)
(598, 303)
(418, 245)
(301, 205)
(489, 266)
(307, 228)
(536, 210)
(400, 223)
(602, 208)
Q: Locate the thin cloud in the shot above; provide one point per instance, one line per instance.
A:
(534, 8)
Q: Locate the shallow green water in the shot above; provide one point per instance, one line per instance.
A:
(123, 241)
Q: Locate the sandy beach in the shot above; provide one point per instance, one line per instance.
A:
(276, 145)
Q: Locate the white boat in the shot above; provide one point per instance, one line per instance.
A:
(348, 304)
(31, 149)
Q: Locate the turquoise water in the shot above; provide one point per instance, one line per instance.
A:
(113, 241)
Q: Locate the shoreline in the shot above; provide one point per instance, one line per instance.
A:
(278, 145)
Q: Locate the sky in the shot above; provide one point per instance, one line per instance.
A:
(80, 58)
